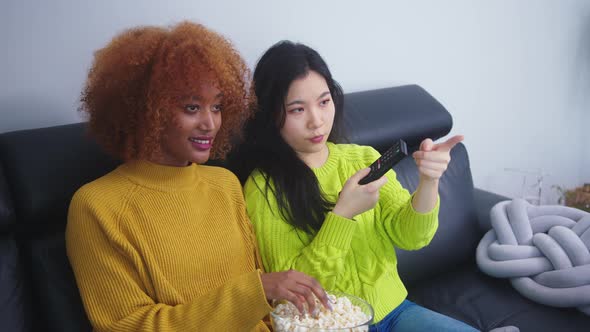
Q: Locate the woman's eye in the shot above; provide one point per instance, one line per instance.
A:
(191, 108)
(217, 108)
(325, 102)
(296, 110)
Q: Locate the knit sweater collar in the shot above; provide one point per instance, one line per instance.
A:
(331, 163)
(160, 177)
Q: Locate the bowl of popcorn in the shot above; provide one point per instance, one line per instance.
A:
(349, 313)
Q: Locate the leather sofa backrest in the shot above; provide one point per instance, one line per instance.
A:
(7, 218)
(45, 167)
(379, 117)
(14, 296)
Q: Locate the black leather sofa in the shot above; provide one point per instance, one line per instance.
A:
(40, 169)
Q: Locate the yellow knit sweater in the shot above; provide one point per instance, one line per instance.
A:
(159, 248)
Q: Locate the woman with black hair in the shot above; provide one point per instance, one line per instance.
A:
(302, 193)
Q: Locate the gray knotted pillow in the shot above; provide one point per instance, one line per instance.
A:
(544, 250)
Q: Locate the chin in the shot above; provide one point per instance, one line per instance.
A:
(317, 147)
(201, 159)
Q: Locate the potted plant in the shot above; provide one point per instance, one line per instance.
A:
(578, 197)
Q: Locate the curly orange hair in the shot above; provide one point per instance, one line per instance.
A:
(137, 79)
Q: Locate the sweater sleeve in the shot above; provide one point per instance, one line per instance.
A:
(283, 247)
(116, 299)
(247, 227)
(397, 219)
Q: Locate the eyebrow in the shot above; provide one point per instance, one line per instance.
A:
(297, 101)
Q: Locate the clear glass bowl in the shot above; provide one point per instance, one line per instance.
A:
(285, 324)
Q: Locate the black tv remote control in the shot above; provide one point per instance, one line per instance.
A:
(391, 157)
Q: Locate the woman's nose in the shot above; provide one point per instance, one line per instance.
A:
(206, 121)
(315, 118)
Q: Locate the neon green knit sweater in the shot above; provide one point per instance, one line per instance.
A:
(352, 256)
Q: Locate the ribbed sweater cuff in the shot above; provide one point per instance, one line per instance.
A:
(336, 231)
(258, 293)
(427, 220)
(249, 303)
(251, 293)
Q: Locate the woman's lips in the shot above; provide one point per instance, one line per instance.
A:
(317, 139)
(202, 144)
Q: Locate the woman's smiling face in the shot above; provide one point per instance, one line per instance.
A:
(189, 136)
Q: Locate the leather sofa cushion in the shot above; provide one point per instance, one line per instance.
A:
(57, 300)
(486, 303)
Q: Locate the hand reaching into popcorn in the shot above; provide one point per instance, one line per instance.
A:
(296, 287)
(344, 315)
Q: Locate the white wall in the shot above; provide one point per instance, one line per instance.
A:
(515, 75)
(584, 97)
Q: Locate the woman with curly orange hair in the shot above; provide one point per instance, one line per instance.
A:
(162, 242)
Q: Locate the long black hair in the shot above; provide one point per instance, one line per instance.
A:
(294, 185)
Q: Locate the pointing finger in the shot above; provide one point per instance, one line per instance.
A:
(449, 144)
